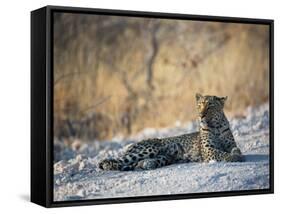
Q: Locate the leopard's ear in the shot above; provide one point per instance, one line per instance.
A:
(222, 100)
(198, 96)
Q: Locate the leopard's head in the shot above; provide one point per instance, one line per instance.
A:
(209, 106)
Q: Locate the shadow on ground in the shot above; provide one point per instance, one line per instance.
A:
(256, 158)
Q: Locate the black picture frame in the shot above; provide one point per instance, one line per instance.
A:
(42, 105)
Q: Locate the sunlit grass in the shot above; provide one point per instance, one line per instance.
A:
(238, 68)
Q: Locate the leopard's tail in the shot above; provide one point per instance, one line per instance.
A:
(116, 164)
(109, 164)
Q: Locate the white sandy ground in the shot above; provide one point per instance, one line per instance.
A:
(76, 175)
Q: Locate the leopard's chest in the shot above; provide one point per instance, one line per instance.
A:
(212, 140)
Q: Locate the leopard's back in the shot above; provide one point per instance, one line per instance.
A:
(190, 144)
(155, 153)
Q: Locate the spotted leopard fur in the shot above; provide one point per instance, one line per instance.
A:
(214, 141)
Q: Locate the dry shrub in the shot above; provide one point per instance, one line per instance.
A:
(106, 75)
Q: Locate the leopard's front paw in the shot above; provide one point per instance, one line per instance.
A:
(236, 155)
(236, 151)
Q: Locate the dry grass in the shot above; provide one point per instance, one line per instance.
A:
(211, 58)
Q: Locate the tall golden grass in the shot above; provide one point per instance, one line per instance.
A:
(223, 59)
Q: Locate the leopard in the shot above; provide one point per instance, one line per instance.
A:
(213, 141)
